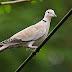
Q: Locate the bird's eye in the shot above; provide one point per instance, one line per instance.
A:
(48, 12)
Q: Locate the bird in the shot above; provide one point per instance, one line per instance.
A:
(31, 36)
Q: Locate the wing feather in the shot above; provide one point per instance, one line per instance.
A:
(33, 32)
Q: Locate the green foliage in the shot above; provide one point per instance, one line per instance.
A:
(5, 8)
(1, 10)
(33, 2)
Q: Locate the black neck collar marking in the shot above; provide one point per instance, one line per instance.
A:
(44, 20)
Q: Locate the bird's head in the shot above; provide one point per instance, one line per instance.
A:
(50, 13)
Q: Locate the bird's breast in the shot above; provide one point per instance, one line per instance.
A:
(38, 41)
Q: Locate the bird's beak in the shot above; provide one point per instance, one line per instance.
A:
(55, 15)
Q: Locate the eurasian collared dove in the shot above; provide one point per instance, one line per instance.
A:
(30, 36)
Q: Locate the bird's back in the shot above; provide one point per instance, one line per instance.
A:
(31, 33)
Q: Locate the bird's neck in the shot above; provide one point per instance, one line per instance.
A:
(47, 23)
(47, 19)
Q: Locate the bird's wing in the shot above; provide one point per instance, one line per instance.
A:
(33, 32)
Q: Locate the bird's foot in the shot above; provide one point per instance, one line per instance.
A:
(34, 47)
(28, 49)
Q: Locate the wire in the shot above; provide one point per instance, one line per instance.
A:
(48, 37)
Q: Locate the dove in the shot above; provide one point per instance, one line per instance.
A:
(31, 36)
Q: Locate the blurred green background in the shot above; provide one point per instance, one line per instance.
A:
(55, 55)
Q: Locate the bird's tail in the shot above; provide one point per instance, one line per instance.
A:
(2, 47)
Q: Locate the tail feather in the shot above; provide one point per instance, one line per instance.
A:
(2, 48)
(1, 44)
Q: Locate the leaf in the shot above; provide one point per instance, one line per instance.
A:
(1, 10)
(33, 2)
(7, 8)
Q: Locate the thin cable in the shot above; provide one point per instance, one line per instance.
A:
(48, 37)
